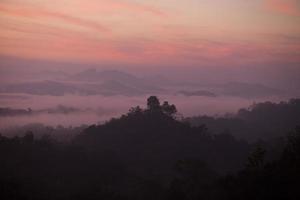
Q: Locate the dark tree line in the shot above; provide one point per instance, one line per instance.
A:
(260, 121)
(147, 154)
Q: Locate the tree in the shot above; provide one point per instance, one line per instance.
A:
(256, 159)
(168, 109)
(28, 137)
(153, 103)
(291, 153)
(135, 110)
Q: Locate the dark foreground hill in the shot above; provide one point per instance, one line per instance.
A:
(152, 140)
(147, 154)
(260, 121)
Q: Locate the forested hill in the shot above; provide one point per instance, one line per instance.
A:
(152, 140)
(148, 154)
(260, 121)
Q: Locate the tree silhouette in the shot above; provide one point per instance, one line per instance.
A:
(135, 110)
(168, 109)
(153, 104)
(256, 159)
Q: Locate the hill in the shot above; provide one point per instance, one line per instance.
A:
(153, 139)
(260, 121)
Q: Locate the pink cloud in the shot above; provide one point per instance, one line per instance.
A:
(42, 13)
(169, 45)
(119, 6)
(59, 44)
(288, 7)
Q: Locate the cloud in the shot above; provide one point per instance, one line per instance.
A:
(47, 32)
(34, 30)
(59, 109)
(30, 12)
(117, 6)
(287, 7)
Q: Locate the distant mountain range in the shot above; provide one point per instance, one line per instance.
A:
(112, 82)
(92, 75)
(197, 93)
(40, 88)
(56, 88)
(247, 90)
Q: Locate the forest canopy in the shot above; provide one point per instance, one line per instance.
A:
(153, 154)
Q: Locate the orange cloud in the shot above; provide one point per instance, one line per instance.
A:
(288, 7)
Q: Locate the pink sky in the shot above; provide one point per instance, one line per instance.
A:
(191, 32)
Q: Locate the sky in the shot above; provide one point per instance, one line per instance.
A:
(153, 32)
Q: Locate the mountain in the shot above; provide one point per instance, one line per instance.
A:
(260, 121)
(52, 74)
(113, 82)
(53, 88)
(117, 80)
(247, 90)
(197, 93)
(153, 140)
(92, 75)
(56, 88)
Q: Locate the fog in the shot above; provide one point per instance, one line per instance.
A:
(96, 109)
(96, 93)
